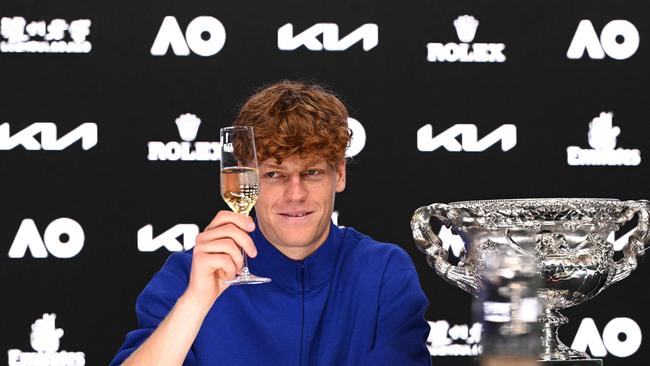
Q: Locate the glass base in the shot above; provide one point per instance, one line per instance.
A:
(590, 362)
(248, 279)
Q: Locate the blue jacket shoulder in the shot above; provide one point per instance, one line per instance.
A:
(361, 247)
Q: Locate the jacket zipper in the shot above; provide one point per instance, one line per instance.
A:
(301, 267)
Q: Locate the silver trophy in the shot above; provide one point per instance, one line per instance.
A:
(566, 236)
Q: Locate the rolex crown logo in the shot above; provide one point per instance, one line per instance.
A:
(188, 126)
(466, 28)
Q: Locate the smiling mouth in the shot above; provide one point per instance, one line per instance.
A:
(296, 215)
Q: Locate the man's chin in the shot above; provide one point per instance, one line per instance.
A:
(296, 234)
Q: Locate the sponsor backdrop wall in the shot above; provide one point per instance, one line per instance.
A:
(109, 141)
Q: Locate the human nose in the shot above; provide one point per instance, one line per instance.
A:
(295, 190)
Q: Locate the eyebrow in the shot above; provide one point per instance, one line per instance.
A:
(312, 165)
(272, 166)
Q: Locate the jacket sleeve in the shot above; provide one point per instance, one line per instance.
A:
(155, 302)
(402, 330)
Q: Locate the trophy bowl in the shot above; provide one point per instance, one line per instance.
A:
(566, 236)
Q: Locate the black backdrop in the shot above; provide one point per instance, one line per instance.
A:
(112, 190)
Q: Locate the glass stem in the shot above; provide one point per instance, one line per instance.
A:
(244, 270)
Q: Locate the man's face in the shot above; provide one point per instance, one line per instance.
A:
(296, 202)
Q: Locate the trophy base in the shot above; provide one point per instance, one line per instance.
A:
(591, 362)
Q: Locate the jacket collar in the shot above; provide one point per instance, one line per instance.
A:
(296, 275)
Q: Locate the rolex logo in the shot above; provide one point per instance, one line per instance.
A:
(466, 50)
(187, 149)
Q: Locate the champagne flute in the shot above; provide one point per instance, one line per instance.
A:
(240, 183)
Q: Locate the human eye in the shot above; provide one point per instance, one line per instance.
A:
(312, 172)
(272, 174)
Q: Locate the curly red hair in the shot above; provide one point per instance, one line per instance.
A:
(296, 118)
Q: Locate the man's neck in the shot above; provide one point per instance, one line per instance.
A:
(300, 253)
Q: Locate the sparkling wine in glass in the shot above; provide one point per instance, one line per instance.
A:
(240, 183)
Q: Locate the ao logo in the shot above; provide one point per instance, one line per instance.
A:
(586, 38)
(63, 238)
(507, 134)
(169, 239)
(368, 33)
(86, 132)
(358, 141)
(588, 336)
(170, 34)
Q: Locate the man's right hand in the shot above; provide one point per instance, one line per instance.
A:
(217, 255)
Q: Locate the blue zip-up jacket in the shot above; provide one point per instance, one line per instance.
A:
(354, 301)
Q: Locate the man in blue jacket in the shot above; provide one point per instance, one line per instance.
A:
(337, 297)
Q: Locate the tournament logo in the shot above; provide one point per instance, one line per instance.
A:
(57, 36)
(602, 137)
(466, 51)
(63, 238)
(621, 337)
(45, 340)
(171, 35)
(619, 40)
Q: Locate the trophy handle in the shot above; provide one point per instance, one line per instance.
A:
(431, 244)
(637, 241)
